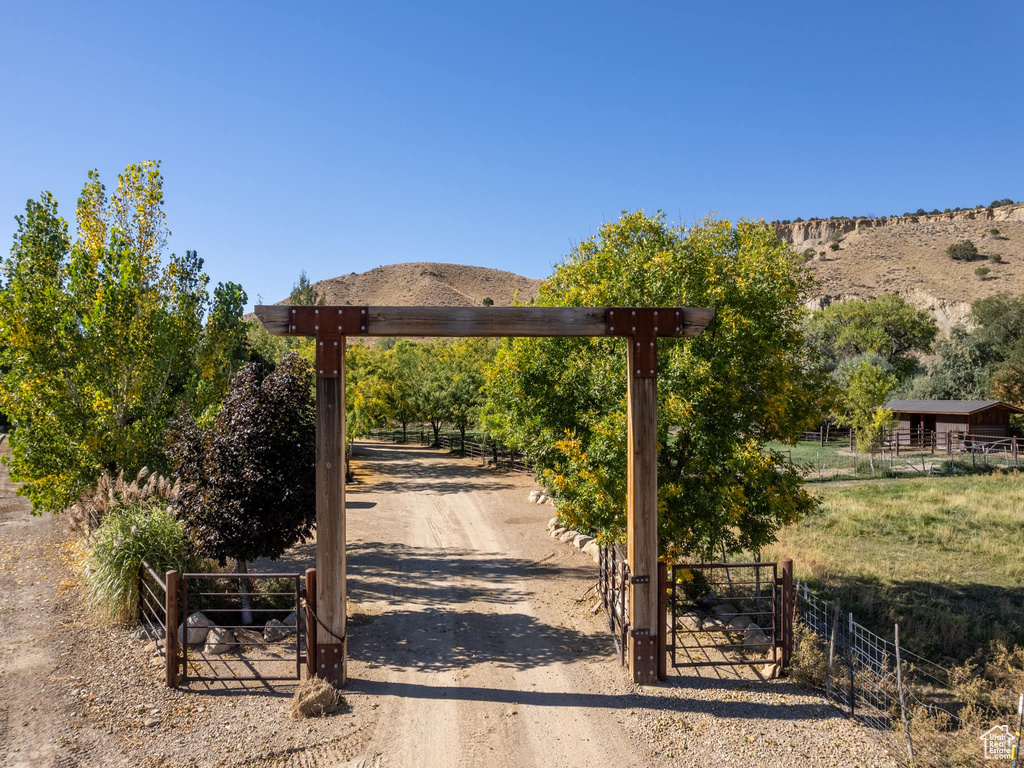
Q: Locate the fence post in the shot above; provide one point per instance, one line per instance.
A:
(662, 620)
(832, 649)
(310, 621)
(903, 702)
(788, 610)
(171, 630)
(849, 648)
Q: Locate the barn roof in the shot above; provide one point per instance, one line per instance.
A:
(947, 406)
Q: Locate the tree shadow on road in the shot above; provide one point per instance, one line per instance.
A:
(406, 468)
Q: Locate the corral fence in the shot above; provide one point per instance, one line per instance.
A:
(878, 681)
(488, 451)
(614, 585)
(269, 638)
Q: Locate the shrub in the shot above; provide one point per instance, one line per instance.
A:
(127, 536)
(995, 258)
(488, 301)
(834, 245)
(962, 251)
(821, 253)
(982, 271)
(809, 664)
(994, 231)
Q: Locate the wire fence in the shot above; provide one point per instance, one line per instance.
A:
(912, 701)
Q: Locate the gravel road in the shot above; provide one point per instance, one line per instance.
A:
(472, 643)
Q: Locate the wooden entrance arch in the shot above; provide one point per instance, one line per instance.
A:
(330, 325)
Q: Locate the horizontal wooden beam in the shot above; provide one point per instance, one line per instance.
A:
(499, 321)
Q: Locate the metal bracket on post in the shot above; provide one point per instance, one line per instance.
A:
(327, 325)
(330, 663)
(639, 579)
(645, 648)
(643, 326)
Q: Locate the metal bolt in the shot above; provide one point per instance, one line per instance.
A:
(336, 344)
(634, 327)
(652, 370)
(638, 343)
(362, 327)
(293, 311)
(316, 327)
(637, 371)
(655, 329)
(339, 311)
(677, 313)
(677, 329)
(335, 373)
(652, 343)
(611, 311)
(293, 327)
(321, 373)
(321, 343)
(634, 311)
(612, 328)
(316, 311)
(655, 313)
(323, 666)
(339, 327)
(362, 311)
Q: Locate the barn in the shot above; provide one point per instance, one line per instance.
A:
(983, 418)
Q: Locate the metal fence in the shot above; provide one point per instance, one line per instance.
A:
(249, 635)
(614, 583)
(887, 686)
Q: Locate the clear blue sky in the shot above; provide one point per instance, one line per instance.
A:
(339, 137)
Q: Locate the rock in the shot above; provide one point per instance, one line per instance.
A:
(249, 637)
(290, 618)
(558, 532)
(596, 608)
(724, 612)
(552, 523)
(754, 639)
(568, 536)
(151, 722)
(770, 671)
(275, 631)
(739, 624)
(198, 626)
(541, 499)
(582, 540)
(315, 697)
(533, 496)
(218, 640)
(689, 621)
(594, 551)
(711, 624)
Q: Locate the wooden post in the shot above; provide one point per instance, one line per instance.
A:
(903, 701)
(310, 622)
(642, 507)
(662, 620)
(788, 610)
(330, 523)
(171, 629)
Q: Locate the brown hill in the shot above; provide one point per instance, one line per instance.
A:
(907, 255)
(428, 283)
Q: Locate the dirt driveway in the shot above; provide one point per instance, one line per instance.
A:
(469, 646)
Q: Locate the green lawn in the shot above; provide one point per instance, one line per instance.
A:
(943, 556)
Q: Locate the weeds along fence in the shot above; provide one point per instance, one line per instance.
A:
(488, 451)
(911, 700)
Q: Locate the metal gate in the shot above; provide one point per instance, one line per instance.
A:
(614, 581)
(727, 614)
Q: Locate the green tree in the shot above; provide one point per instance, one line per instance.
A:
(887, 326)
(98, 337)
(249, 480)
(958, 372)
(865, 393)
(722, 395)
(223, 349)
(462, 381)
